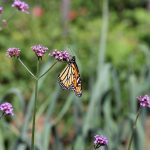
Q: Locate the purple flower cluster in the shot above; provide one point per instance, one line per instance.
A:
(21, 6)
(100, 140)
(7, 108)
(39, 50)
(60, 55)
(144, 101)
(1, 9)
(13, 52)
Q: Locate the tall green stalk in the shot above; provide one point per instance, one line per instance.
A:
(133, 128)
(35, 103)
(96, 94)
(37, 77)
(103, 36)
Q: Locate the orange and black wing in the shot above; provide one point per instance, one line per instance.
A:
(69, 78)
(76, 84)
(65, 78)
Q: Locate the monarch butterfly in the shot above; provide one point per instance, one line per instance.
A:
(69, 78)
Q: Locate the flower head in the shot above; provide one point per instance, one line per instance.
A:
(7, 108)
(144, 101)
(21, 6)
(60, 55)
(1, 9)
(13, 52)
(100, 140)
(39, 50)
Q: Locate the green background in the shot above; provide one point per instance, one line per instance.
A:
(111, 42)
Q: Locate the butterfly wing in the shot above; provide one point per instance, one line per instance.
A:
(65, 78)
(69, 78)
(76, 84)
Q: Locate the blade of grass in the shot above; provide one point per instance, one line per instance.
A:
(64, 109)
(103, 37)
(47, 125)
(101, 86)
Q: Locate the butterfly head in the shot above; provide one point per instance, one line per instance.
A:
(73, 59)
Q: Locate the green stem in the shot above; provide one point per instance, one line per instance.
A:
(35, 102)
(27, 69)
(48, 70)
(133, 128)
(2, 115)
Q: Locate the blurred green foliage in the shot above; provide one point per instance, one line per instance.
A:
(108, 104)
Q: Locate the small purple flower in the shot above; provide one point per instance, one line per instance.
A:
(144, 101)
(100, 140)
(7, 108)
(60, 55)
(21, 6)
(39, 50)
(13, 52)
(1, 9)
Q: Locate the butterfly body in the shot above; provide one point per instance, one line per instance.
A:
(69, 78)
